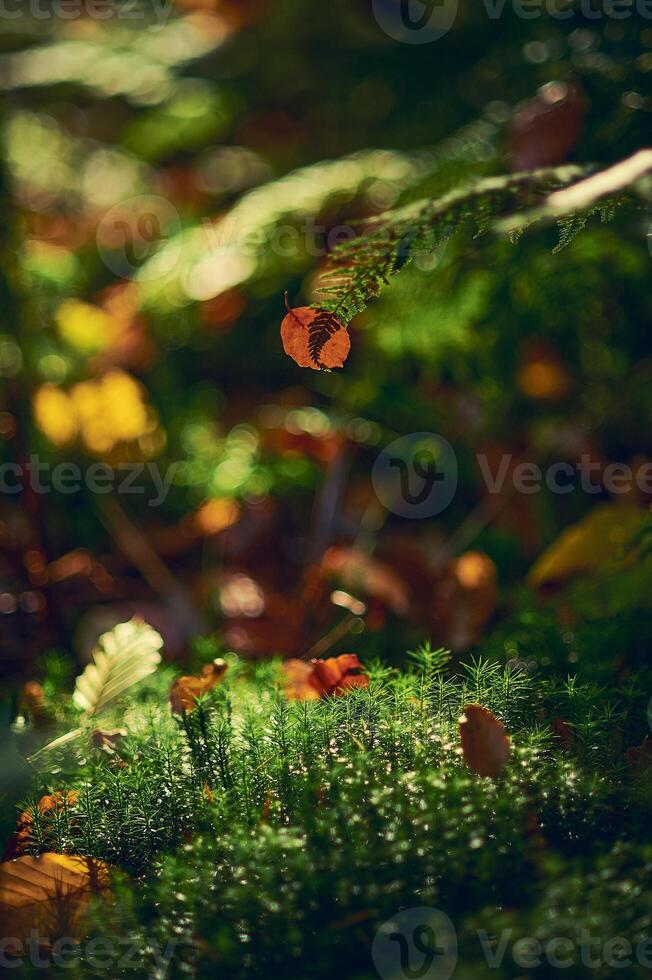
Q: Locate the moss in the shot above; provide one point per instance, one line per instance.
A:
(267, 838)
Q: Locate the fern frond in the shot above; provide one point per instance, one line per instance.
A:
(359, 268)
(244, 241)
(602, 192)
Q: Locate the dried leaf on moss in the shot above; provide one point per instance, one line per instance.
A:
(485, 743)
(312, 680)
(185, 690)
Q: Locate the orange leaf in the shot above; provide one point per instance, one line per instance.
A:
(49, 893)
(310, 681)
(314, 338)
(185, 690)
(22, 837)
(485, 743)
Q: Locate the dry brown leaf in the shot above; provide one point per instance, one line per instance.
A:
(485, 743)
(49, 894)
(314, 338)
(22, 837)
(314, 679)
(185, 690)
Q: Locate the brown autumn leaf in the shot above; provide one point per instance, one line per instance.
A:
(485, 743)
(49, 894)
(23, 836)
(185, 690)
(315, 338)
(314, 679)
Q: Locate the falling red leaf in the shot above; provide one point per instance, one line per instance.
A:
(485, 743)
(23, 836)
(185, 690)
(314, 679)
(315, 338)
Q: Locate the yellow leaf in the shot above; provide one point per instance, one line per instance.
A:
(599, 537)
(50, 894)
